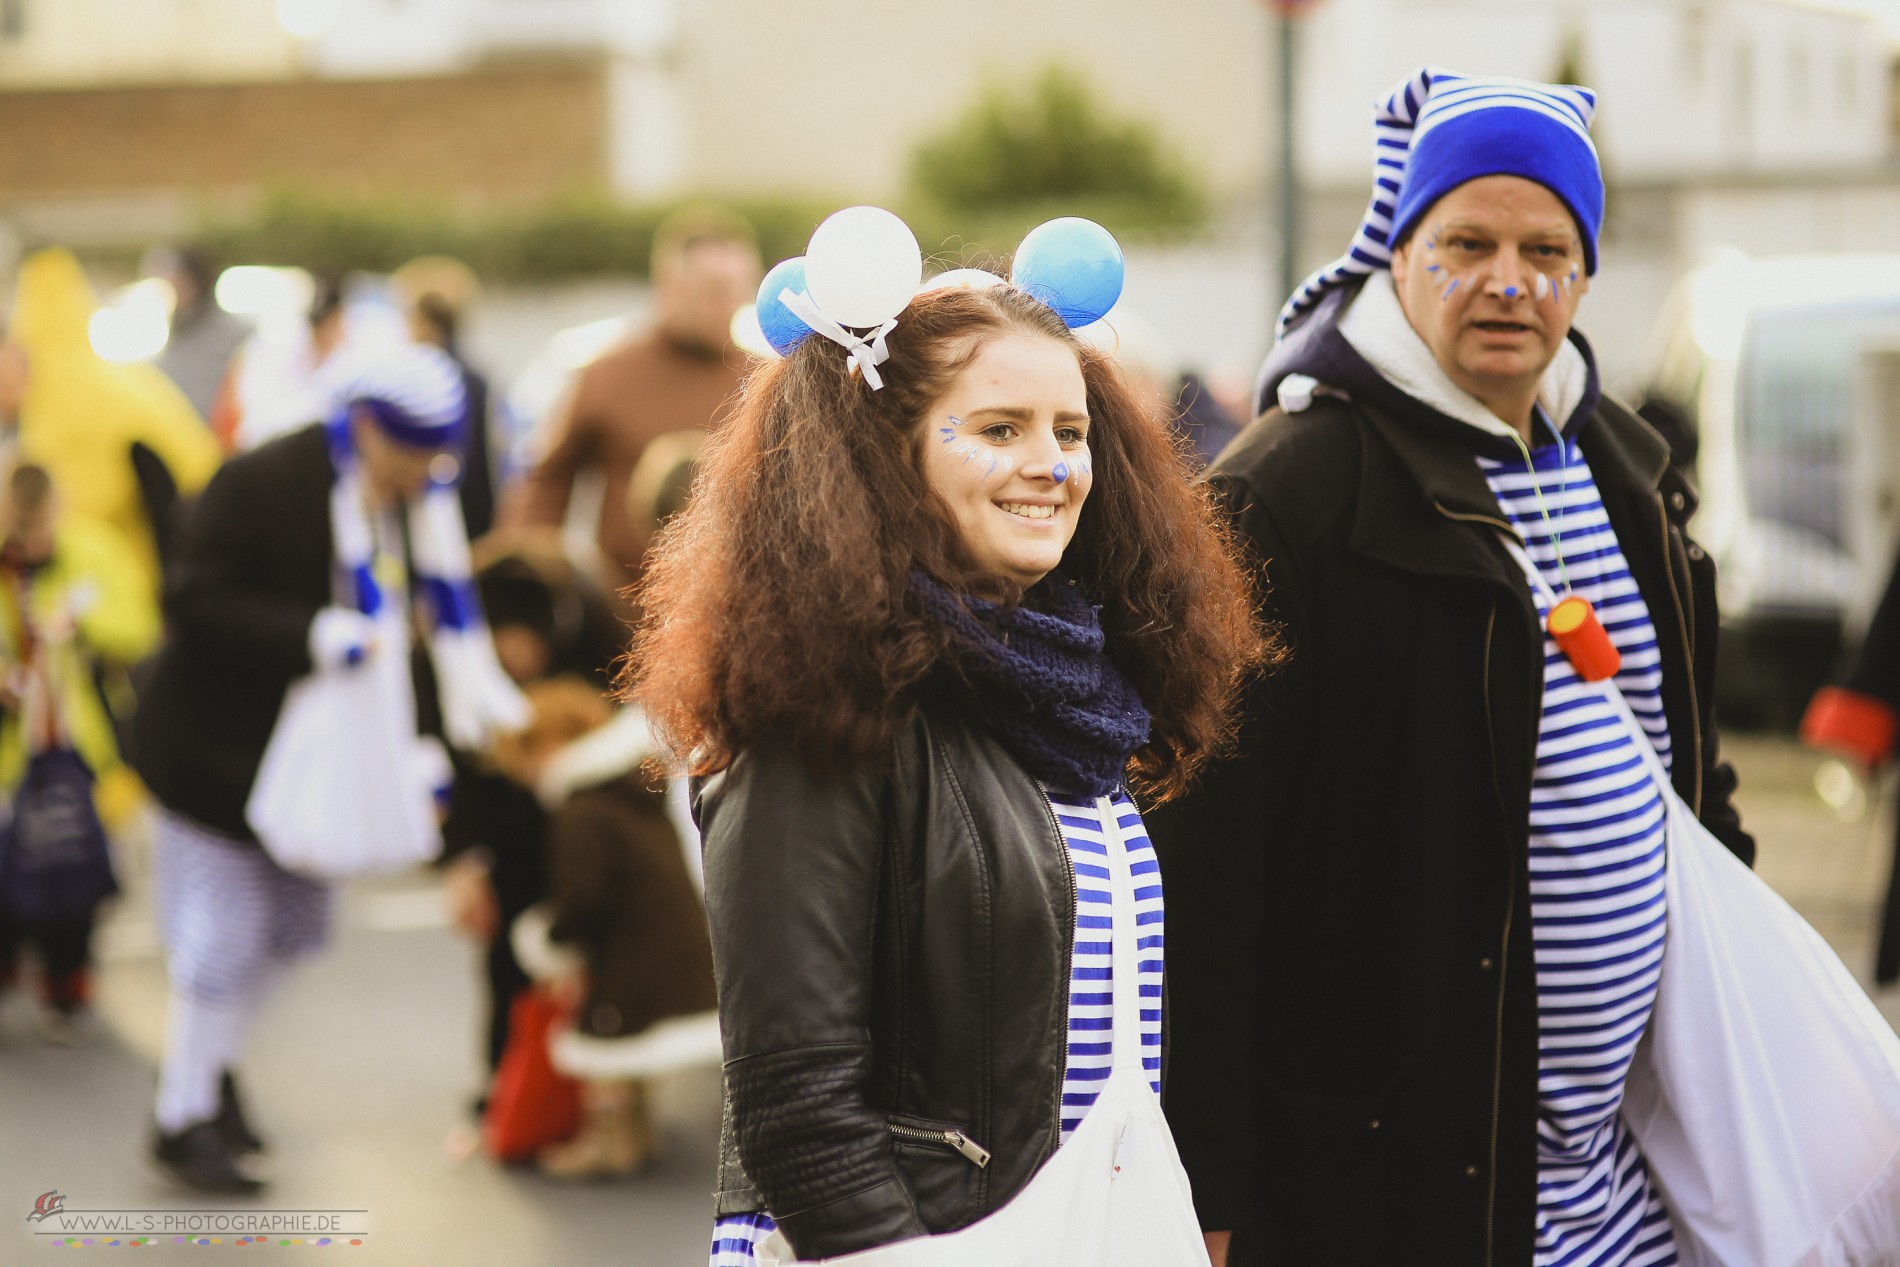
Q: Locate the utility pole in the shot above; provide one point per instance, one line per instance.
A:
(1289, 155)
(1287, 15)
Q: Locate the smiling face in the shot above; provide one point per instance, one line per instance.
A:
(1006, 449)
(1491, 279)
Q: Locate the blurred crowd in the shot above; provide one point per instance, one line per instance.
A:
(139, 682)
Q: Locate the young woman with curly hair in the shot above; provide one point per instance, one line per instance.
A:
(923, 645)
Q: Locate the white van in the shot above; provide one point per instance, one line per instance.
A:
(1788, 370)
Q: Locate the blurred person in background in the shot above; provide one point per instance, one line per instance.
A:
(73, 604)
(118, 439)
(1421, 916)
(277, 382)
(621, 902)
(1859, 719)
(1196, 416)
(435, 293)
(13, 379)
(252, 606)
(683, 372)
(204, 337)
(548, 620)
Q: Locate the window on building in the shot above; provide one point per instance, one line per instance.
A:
(1800, 78)
(12, 19)
(1693, 46)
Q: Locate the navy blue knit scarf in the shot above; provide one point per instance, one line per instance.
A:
(1036, 675)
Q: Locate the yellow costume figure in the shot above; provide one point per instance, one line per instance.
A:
(89, 603)
(82, 414)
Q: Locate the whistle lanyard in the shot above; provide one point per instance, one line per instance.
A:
(1555, 528)
(1572, 621)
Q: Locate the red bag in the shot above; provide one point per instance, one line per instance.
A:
(531, 1104)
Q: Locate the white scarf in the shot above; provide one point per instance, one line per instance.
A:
(478, 698)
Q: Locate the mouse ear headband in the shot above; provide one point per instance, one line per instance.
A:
(863, 266)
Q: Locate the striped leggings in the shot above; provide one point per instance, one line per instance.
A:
(228, 915)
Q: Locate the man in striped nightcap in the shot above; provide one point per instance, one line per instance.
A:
(1417, 923)
(293, 562)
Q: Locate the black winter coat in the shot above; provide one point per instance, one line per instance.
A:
(892, 953)
(1351, 978)
(252, 569)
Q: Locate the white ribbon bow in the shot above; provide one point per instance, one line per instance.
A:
(869, 353)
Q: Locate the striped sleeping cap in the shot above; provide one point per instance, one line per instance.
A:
(1437, 130)
(414, 392)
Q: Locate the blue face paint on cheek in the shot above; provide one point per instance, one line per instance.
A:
(1061, 473)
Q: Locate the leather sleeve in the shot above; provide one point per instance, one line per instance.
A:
(792, 874)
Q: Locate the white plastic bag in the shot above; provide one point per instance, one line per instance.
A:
(346, 787)
(1766, 1096)
(1114, 1195)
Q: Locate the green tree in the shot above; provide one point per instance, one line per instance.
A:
(1051, 144)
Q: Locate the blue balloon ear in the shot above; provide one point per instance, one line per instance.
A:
(783, 330)
(1073, 265)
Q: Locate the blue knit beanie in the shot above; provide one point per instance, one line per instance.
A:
(1436, 131)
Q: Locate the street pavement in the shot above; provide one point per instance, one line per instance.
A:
(361, 1074)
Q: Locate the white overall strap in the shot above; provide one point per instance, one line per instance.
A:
(1125, 961)
(1612, 692)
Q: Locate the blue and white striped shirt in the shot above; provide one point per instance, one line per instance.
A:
(1085, 833)
(1596, 878)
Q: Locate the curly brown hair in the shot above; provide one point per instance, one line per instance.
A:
(777, 603)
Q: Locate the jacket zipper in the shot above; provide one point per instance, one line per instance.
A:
(1510, 915)
(1068, 974)
(1504, 968)
(978, 1155)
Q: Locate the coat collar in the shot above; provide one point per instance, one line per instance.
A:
(1420, 486)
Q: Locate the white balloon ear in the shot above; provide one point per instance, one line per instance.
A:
(863, 266)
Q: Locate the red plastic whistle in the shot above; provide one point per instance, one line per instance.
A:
(1574, 627)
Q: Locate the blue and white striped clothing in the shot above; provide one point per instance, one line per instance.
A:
(1091, 999)
(229, 916)
(1596, 877)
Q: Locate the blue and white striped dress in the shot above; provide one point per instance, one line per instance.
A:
(1596, 876)
(1091, 1001)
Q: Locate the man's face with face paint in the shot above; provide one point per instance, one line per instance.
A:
(1491, 279)
(1006, 448)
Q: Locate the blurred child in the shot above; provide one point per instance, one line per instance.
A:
(619, 894)
(547, 619)
(73, 605)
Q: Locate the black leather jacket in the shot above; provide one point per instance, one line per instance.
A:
(892, 950)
